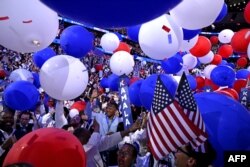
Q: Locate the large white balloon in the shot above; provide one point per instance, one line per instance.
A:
(160, 38)
(21, 74)
(27, 25)
(64, 77)
(110, 42)
(208, 69)
(196, 14)
(186, 45)
(225, 36)
(207, 58)
(121, 63)
(189, 61)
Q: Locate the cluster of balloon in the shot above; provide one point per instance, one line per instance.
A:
(43, 55)
(56, 147)
(163, 32)
(134, 93)
(21, 75)
(193, 15)
(76, 41)
(25, 27)
(223, 75)
(109, 42)
(173, 64)
(104, 17)
(121, 63)
(220, 119)
(63, 77)
(247, 12)
(21, 95)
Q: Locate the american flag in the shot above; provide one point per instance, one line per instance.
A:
(168, 125)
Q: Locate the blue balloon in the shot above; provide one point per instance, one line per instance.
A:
(133, 32)
(242, 74)
(222, 14)
(118, 35)
(111, 13)
(232, 65)
(114, 81)
(36, 80)
(148, 86)
(76, 41)
(189, 34)
(134, 93)
(192, 82)
(41, 56)
(223, 75)
(173, 64)
(227, 123)
(223, 62)
(104, 83)
(21, 95)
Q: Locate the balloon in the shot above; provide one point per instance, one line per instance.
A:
(247, 13)
(118, 35)
(123, 47)
(43, 55)
(21, 95)
(76, 41)
(214, 40)
(36, 80)
(224, 62)
(134, 93)
(189, 61)
(222, 14)
(25, 27)
(160, 38)
(244, 37)
(104, 83)
(114, 81)
(79, 105)
(186, 45)
(189, 34)
(208, 69)
(148, 86)
(239, 84)
(192, 82)
(223, 75)
(2, 74)
(242, 74)
(242, 62)
(225, 36)
(173, 64)
(202, 47)
(21, 74)
(200, 82)
(229, 92)
(121, 63)
(232, 65)
(194, 14)
(110, 42)
(56, 147)
(63, 77)
(133, 32)
(109, 14)
(217, 59)
(225, 50)
(207, 58)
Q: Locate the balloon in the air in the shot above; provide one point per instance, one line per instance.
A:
(109, 42)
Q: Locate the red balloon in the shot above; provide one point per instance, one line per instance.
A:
(238, 84)
(2, 74)
(48, 147)
(134, 79)
(229, 92)
(247, 13)
(202, 47)
(209, 82)
(242, 62)
(79, 105)
(98, 67)
(240, 40)
(217, 59)
(200, 82)
(214, 40)
(123, 47)
(225, 50)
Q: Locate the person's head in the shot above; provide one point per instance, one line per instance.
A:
(24, 118)
(111, 109)
(7, 118)
(186, 156)
(126, 155)
(82, 134)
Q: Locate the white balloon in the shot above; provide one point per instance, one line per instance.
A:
(158, 43)
(121, 63)
(64, 77)
(110, 42)
(207, 58)
(196, 14)
(27, 25)
(225, 36)
(208, 69)
(189, 61)
(21, 74)
(186, 45)
(248, 51)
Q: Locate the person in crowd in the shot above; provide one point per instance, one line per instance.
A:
(127, 155)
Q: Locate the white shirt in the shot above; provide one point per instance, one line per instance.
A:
(6, 136)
